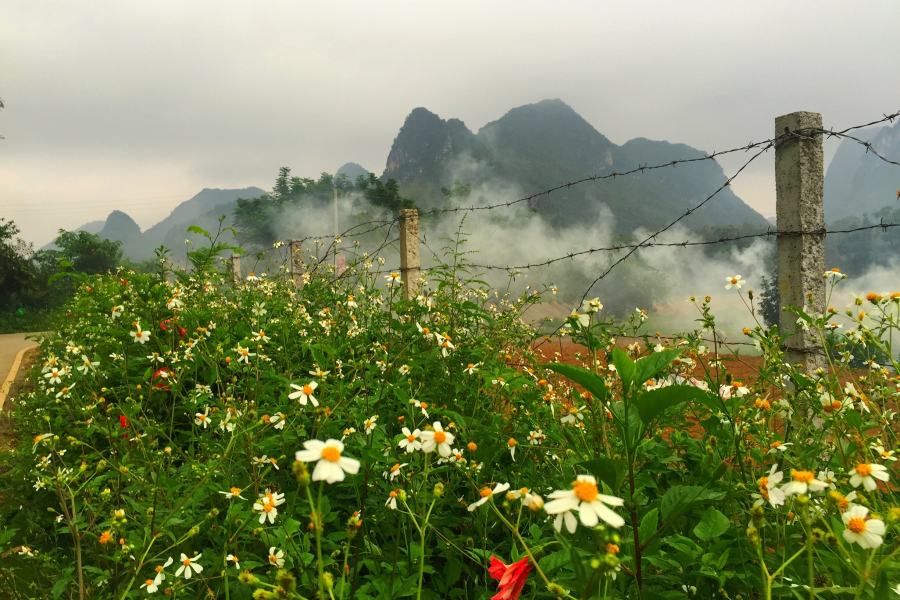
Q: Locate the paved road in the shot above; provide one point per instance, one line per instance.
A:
(10, 346)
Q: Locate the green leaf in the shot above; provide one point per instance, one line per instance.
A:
(648, 525)
(610, 471)
(198, 230)
(583, 377)
(555, 561)
(651, 404)
(60, 586)
(624, 366)
(711, 525)
(681, 498)
(648, 367)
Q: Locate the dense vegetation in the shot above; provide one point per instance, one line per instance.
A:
(334, 440)
(35, 285)
(258, 219)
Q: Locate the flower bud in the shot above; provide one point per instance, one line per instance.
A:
(248, 578)
(439, 490)
(757, 514)
(556, 590)
(753, 534)
(302, 474)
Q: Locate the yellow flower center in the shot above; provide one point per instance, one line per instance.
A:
(395, 467)
(411, 438)
(268, 507)
(485, 492)
(734, 280)
(863, 470)
(331, 454)
(235, 491)
(307, 389)
(273, 559)
(856, 525)
(585, 490)
(803, 476)
(148, 582)
(511, 442)
(186, 562)
(440, 437)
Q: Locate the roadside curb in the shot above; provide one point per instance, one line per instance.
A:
(7, 384)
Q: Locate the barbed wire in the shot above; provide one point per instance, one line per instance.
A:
(722, 240)
(807, 133)
(797, 134)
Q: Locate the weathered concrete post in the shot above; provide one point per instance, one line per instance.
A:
(296, 257)
(410, 270)
(235, 268)
(799, 189)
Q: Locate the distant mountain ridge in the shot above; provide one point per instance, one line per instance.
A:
(547, 144)
(203, 210)
(858, 182)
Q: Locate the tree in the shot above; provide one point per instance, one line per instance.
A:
(18, 276)
(770, 299)
(383, 195)
(87, 252)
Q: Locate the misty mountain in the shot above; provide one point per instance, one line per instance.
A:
(544, 145)
(858, 183)
(352, 171)
(204, 209)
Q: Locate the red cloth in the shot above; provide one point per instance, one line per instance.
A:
(512, 577)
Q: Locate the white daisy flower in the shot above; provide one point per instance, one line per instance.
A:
(859, 529)
(276, 557)
(586, 498)
(189, 566)
(304, 393)
(768, 491)
(439, 439)
(409, 441)
(487, 493)
(865, 474)
(331, 465)
(803, 482)
(735, 282)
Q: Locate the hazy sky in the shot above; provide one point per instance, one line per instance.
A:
(138, 105)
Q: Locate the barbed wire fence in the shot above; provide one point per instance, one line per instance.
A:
(808, 134)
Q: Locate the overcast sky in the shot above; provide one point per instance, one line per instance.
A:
(139, 105)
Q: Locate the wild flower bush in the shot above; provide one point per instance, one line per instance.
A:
(330, 439)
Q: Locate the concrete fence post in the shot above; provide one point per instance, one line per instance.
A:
(410, 269)
(235, 268)
(295, 247)
(799, 192)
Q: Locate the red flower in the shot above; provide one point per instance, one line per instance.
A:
(165, 324)
(123, 424)
(512, 577)
(182, 331)
(161, 386)
(123, 282)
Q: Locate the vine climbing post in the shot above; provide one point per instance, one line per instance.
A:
(800, 213)
(410, 269)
